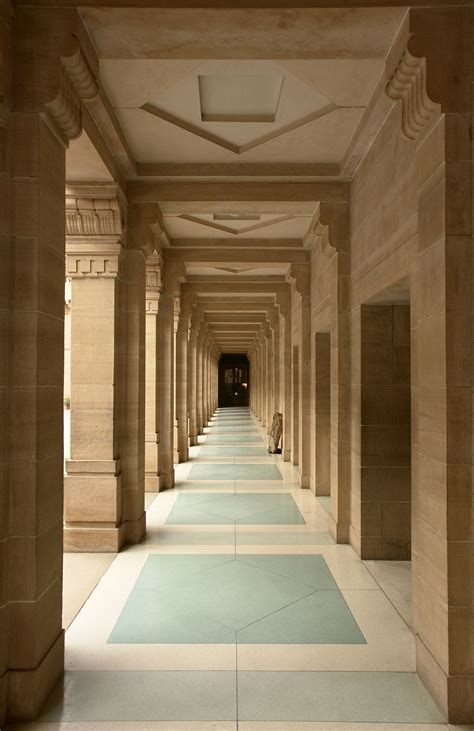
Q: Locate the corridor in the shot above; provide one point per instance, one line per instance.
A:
(239, 611)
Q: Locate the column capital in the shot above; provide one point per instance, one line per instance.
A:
(154, 268)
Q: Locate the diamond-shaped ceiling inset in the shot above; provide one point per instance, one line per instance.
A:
(269, 103)
(239, 98)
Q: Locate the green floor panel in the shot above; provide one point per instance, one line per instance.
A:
(208, 599)
(229, 439)
(338, 697)
(310, 570)
(191, 538)
(266, 538)
(237, 594)
(297, 623)
(111, 695)
(235, 472)
(249, 508)
(225, 451)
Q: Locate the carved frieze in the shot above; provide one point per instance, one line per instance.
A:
(93, 215)
(408, 85)
(84, 260)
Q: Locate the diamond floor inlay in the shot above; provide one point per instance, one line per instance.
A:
(224, 599)
(250, 508)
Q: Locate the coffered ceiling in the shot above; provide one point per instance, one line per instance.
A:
(213, 116)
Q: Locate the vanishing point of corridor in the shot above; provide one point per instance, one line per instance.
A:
(240, 611)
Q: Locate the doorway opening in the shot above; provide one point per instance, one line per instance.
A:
(233, 380)
(385, 451)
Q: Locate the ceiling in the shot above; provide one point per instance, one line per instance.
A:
(229, 95)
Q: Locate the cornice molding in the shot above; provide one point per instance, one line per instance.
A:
(408, 85)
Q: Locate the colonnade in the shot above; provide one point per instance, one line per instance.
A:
(144, 378)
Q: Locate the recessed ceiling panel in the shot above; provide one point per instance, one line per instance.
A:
(239, 98)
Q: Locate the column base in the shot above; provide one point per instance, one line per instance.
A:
(193, 440)
(136, 529)
(94, 539)
(286, 455)
(183, 455)
(29, 689)
(339, 531)
(167, 480)
(152, 483)
(454, 695)
(305, 481)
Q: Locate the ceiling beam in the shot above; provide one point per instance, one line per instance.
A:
(234, 256)
(146, 192)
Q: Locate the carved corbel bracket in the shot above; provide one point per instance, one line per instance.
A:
(273, 317)
(145, 228)
(408, 85)
(77, 82)
(332, 227)
(283, 302)
(174, 274)
(300, 275)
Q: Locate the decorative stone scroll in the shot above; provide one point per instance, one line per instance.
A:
(408, 85)
(77, 83)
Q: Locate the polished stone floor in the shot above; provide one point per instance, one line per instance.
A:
(238, 612)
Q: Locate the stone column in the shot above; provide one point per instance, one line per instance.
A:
(165, 386)
(300, 274)
(192, 378)
(274, 320)
(152, 438)
(182, 377)
(33, 243)
(133, 448)
(263, 384)
(269, 375)
(204, 413)
(443, 499)
(177, 304)
(199, 418)
(93, 500)
(283, 300)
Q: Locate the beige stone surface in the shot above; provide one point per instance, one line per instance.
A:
(333, 246)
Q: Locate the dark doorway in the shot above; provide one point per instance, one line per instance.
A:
(233, 380)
